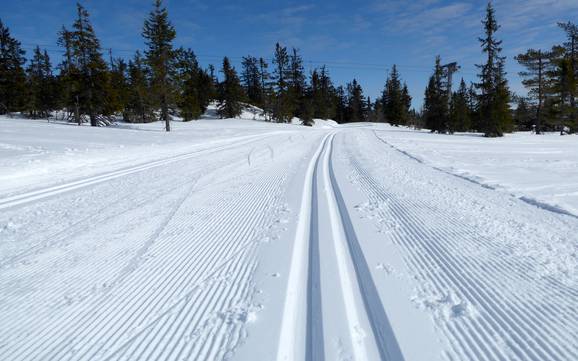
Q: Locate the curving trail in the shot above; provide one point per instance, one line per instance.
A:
(308, 244)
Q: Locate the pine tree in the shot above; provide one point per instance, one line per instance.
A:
(12, 75)
(395, 101)
(523, 115)
(231, 92)
(538, 64)
(191, 81)
(252, 82)
(296, 83)
(436, 101)
(494, 98)
(139, 104)
(118, 88)
(282, 107)
(268, 93)
(159, 35)
(86, 73)
(41, 85)
(571, 69)
(341, 112)
(69, 77)
(459, 118)
(356, 111)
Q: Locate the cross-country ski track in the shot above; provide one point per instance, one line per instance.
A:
(293, 244)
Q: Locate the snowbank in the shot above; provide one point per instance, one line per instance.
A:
(542, 170)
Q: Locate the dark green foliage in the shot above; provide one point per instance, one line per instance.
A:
(84, 74)
(537, 80)
(435, 109)
(460, 117)
(41, 85)
(283, 105)
(12, 75)
(160, 57)
(230, 92)
(494, 97)
(194, 85)
(322, 94)
(139, 108)
(396, 100)
(524, 114)
(252, 81)
(118, 91)
(356, 107)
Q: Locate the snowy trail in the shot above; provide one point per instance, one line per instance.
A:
(308, 244)
(365, 326)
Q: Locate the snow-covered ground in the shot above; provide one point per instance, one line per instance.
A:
(540, 169)
(244, 240)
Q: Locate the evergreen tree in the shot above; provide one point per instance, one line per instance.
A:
(252, 82)
(139, 104)
(494, 93)
(395, 101)
(282, 107)
(356, 111)
(571, 69)
(12, 75)
(41, 85)
(538, 64)
(159, 35)
(86, 73)
(69, 78)
(231, 92)
(459, 118)
(268, 93)
(296, 83)
(523, 115)
(191, 98)
(118, 88)
(436, 101)
(341, 111)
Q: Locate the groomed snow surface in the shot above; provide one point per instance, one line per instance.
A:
(238, 239)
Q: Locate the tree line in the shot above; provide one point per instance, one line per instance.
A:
(163, 81)
(485, 106)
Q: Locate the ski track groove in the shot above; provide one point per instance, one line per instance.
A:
(383, 335)
(39, 194)
(103, 178)
(524, 331)
(267, 186)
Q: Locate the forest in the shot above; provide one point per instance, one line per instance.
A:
(162, 82)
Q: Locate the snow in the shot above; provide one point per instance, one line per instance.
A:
(238, 239)
(540, 169)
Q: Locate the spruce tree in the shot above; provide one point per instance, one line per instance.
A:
(282, 107)
(459, 118)
(159, 35)
(188, 78)
(12, 75)
(356, 110)
(494, 93)
(436, 101)
(40, 85)
(252, 82)
(395, 101)
(571, 69)
(296, 83)
(86, 73)
(231, 92)
(139, 104)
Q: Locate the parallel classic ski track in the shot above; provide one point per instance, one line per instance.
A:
(31, 196)
(360, 296)
(518, 322)
(177, 297)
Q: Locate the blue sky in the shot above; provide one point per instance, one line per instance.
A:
(360, 39)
